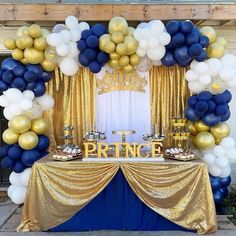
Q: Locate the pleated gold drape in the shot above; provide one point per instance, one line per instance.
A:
(74, 104)
(169, 92)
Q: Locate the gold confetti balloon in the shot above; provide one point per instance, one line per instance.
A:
(24, 41)
(23, 30)
(10, 43)
(118, 24)
(10, 137)
(28, 140)
(204, 140)
(39, 126)
(20, 124)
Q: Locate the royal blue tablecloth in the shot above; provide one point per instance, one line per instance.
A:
(117, 208)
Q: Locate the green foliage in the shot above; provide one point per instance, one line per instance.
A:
(230, 203)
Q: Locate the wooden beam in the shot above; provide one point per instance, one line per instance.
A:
(104, 12)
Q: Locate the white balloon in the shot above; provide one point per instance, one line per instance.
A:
(201, 68)
(232, 83)
(209, 159)
(231, 154)
(10, 190)
(143, 44)
(227, 73)
(190, 75)
(141, 52)
(204, 79)
(14, 178)
(63, 50)
(58, 28)
(69, 66)
(215, 171)
(46, 102)
(214, 66)
(75, 34)
(228, 143)
(71, 22)
(193, 65)
(25, 104)
(142, 25)
(218, 151)
(73, 50)
(229, 60)
(157, 53)
(156, 63)
(14, 109)
(145, 33)
(4, 101)
(156, 27)
(83, 26)
(13, 95)
(222, 162)
(196, 87)
(7, 114)
(18, 194)
(152, 42)
(137, 34)
(54, 39)
(28, 94)
(25, 176)
(225, 172)
(165, 38)
(66, 36)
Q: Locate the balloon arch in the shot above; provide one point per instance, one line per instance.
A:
(36, 52)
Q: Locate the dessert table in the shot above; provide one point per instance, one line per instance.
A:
(78, 196)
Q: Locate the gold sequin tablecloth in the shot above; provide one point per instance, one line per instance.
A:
(179, 191)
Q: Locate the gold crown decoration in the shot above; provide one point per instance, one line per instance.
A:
(119, 80)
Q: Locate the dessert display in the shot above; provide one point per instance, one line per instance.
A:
(94, 135)
(179, 154)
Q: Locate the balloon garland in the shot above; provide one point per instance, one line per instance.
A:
(36, 52)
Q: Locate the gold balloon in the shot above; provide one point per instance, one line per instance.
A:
(131, 44)
(109, 47)
(221, 130)
(35, 31)
(117, 37)
(10, 137)
(20, 124)
(40, 43)
(114, 56)
(124, 60)
(218, 140)
(209, 32)
(17, 54)
(121, 49)
(221, 40)
(23, 30)
(204, 140)
(134, 59)
(10, 43)
(114, 64)
(200, 126)
(215, 50)
(33, 56)
(39, 126)
(48, 65)
(25, 41)
(130, 31)
(118, 24)
(128, 68)
(103, 40)
(28, 140)
(24, 61)
(190, 126)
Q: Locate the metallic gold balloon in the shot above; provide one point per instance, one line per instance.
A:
(131, 44)
(204, 140)
(23, 30)
(40, 43)
(200, 126)
(48, 65)
(221, 130)
(128, 68)
(10, 43)
(117, 37)
(24, 61)
(28, 140)
(114, 64)
(25, 41)
(121, 49)
(17, 54)
(130, 31)
(109, 47)
(209, 32)
(35, 31)
(10, 137)
(218, 140)
(39, 126)
(134, 59)
(124, 60)
(114, 56)
(221, 40)
(103, 40)
(190, 126)
(215, 50)
(118, 24)
(20, 124)
(33, 56)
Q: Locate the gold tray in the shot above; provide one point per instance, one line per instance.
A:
(181, 158)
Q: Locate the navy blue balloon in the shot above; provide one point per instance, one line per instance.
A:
(226, 116)
(19, 71)
(192, 101)
(81, 45)
(215, 184)
(204, 96)
(8, 76)
(192, 38)
(46, 76)
(218, 197)
(228, 96)
(83, 60)
(220, 99)
(92, 41)
(199, 114)
(43, 143)
(202, 56)
(31, 85)
(94, 67)
(37, 69)
(195, 50)
(211, 119)
(29, 76)
(225, 181)
(43, 153)
(90, 54)
(3, 86)
(168, 59)
(224, 191)
(19, 167)
(185, 63)
(102, 58)
(172, 27)
(1, 71)
(211, 106)
(221, 110)
(190, 114)
(7, 162)
(99, 30)
(201, 106)
(204, 41)
(10, 64)
(30, 156)
(86, 33)
(186, 26)
(19, 83)
(4, 150)
(181, 54)
(170, 46)
(40, 89)
(178, 40)
(15, 152)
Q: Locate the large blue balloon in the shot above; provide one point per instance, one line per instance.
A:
(94, 67)
(225, 181)
(19, 83)
(7, 162)
(92, 41)
(192, 38)
(19, 167)
(30, 156)
(221, 110)
(191, 115)
(40, 89)
(10, 64)
(204, 96)
(204, 41)
(202, 56)
(102, 58)
(215, 184)
(168, 59)
(192, 101)
(195, 50)
(19, 71)
(81, 45)
(86, 33)
(4, 150)
(211, 119)
(3, 86)
(46, 76)
(172, 27)
(178, 40)
(43, 143)
(181, 54)
(31, 85)
(186, 26)
(29, 76)
(8, 76)
(211, 106)
(220, 98)
(201, 106)
(90, 54)
(218, 197)
(224, 191)
(99, 30)
(228, 96)
(83, 60)
(37, 69)
(15, 152)
(226, 116)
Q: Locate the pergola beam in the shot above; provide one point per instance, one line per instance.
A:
(104, 12)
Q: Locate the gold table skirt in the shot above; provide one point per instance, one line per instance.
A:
(178, 191)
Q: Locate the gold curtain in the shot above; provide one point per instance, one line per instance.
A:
(169, 92)
(74, 98)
